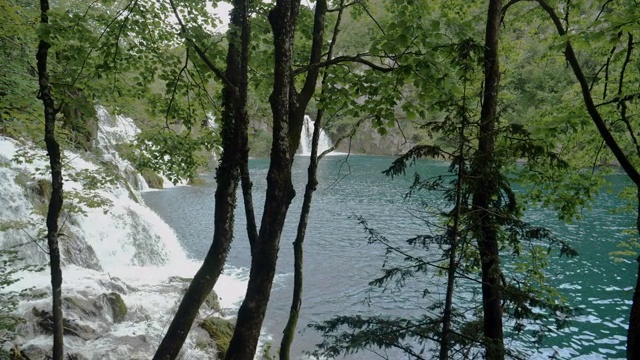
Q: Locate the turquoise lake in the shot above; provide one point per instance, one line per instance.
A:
(339, 263)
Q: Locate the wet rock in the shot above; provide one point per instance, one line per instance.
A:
(213, 302)
(221, 331)
(117, 306)
(70, 327)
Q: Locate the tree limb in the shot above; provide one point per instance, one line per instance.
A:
(342, 59)
(570, 55)
(201, 53)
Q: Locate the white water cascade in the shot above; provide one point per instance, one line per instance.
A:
(121, 247)
(306, 137)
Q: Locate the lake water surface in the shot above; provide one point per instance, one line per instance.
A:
(339, 263)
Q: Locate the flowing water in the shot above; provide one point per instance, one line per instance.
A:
(306, 138)
(339, 263)
(121, 246)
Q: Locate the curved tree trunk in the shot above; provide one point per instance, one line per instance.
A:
(633, 335)
(234, 119)
(296, 300)
(484, 171)
(55, 204)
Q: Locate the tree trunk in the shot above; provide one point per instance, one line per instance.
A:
(445, 338)
(55, 204)
(279, 189)
(312, 181)
(234, 118)
(484, 171)
(296, 300)
(633, 335)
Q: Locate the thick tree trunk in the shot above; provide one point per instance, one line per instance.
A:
(55, 204)
(484, 171)
(234, 119)
(279, 189)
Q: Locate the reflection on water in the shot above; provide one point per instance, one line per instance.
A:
(339, 263)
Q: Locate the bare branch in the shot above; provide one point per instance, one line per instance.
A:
(604, 6)
(623, 104)
(342, 7)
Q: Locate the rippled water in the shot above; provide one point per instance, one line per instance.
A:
(339, 263)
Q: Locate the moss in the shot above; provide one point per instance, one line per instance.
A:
(202, 345)
(221, 331)
(39, 192)
(154, 180)
(118, 307)
(43, 188)
(79, 118)
(196, 181)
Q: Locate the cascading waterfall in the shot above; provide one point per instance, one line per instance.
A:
(120, 247)
(306, 137)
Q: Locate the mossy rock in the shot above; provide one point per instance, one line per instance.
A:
(117, 305)
(39, 193)
(179, 279)
(221, 331)
(154, 180)
(196, 181)
(14, 354)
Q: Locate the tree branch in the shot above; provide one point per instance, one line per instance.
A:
(570, 55)
(201, 53)
(342, 59)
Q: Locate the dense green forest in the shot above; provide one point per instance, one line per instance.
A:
(539, 95)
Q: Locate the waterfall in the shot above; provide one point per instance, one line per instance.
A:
(119, 247)
(306, 137)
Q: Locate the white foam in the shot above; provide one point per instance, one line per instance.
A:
(306, 137)
(134, 248)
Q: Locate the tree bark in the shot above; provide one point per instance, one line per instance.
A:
(299, 101)
(485, 173)
(279, 189)
(234, 120)
(55, 203)
(312, 181)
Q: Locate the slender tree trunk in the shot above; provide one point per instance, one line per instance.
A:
(296, 300)
(312, 182)
(633, 335)
(445, 338)
(234, 119)
(279, 189)
(484, 171)
(55, 204)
